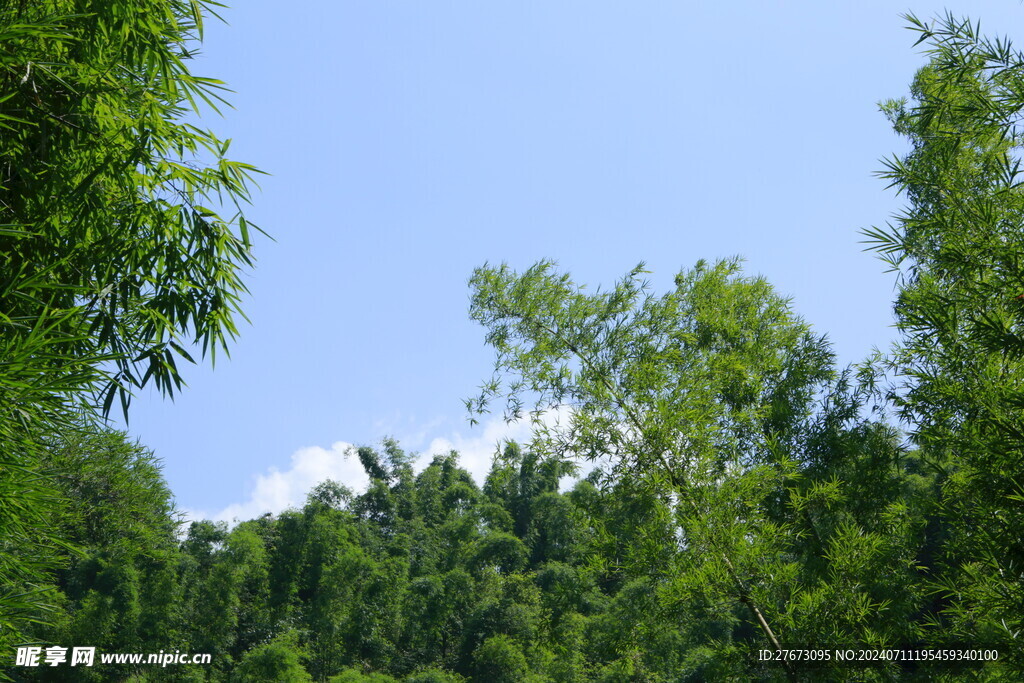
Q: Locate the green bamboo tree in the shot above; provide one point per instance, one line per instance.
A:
(958, 250)
(114, 255)
(715, 400)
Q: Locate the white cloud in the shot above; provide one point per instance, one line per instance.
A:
(476, 452)
(276, 490)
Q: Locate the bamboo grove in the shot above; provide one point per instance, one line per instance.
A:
(742, 493)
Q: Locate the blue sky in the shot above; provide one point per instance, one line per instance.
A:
(409, 142)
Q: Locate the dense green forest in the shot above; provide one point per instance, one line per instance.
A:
(750, 497)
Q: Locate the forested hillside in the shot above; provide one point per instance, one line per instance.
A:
(749, 498)
(428, 577)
